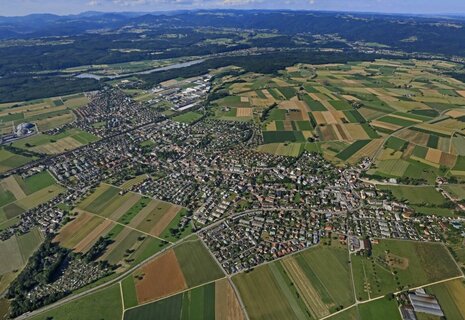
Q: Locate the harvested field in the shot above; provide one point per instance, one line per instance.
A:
(119, 206)
(93, 236)
(244, 112)
(433, 155)
(165, 220)
(356, 131)
(77, 230)
(448, 159)
(159, 278)
(307, 291)
(11, 184)
(60, 146)
(227, 306)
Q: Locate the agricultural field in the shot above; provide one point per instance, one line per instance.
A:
(11, 160)
(102, 305)
(55, 144)
(397, 265)
(188, 117)
(21, 194)
(188, 265)
(299, 285)
(215, 300)
(14, 254)
(362, 105)
(382, 309)
(47, 114)
(450, 296)
(138, 226)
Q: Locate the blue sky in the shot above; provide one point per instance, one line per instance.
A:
(22, 7)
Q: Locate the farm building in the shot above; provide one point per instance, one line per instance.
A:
(425, 303)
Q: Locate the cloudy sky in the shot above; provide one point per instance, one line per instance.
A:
(23, 7)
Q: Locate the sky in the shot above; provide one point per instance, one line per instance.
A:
(24, 7)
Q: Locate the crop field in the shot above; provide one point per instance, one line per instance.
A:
(55, 144)
(282, 149)
(382, 309)
(14, 254)
(102, 305)
(19, 195)
(450, 296)
(133, 222)
(10, 160)
(299, 285)
(415, 194)
(208, 302)
(46, 113)
(188, 117)
(415, 263)
(187, 265)
(342, 104)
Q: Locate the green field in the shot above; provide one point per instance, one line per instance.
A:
(197, 263)
(352, 149)
(283, 136)
(102, 305)
(291, 285)
(129, 292)
(198, 303)
(36, 182)
(382, 309)
(188, 117)
(10, 160)
(415, 264)
(415, 194)
(450, 296)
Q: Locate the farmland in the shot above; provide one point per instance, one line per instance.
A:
(136, 225)
(10, 160)
(310, 292)
(215, 300)
(19, 195)
(102, 305)
(450, 296)
(362, 106)
(47, 114)
(414, 264)
(187, 265)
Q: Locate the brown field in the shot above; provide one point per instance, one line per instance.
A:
(356, 131)
(60, 146)
(93, 236)
(389, 154)
(367, 151)
(12, 185)
(159, 278)
(163, 223)
(385, 125)
(328, 133)
(448, 159)
(456, 113)
(461, 92)
(142, 215)
(397, 261)
(244, 99)
(349, 97)
(307, 291)
(227, 306)
(55, 122)
(77, 230)
(319, 118)
(244, 112)
(370, 114)
(271, 126)
(433, 155)
(342, 133)
(117, 209)
(296, 115)
(287, 125)
(413, 136)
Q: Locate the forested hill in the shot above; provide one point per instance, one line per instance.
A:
(411, 33)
